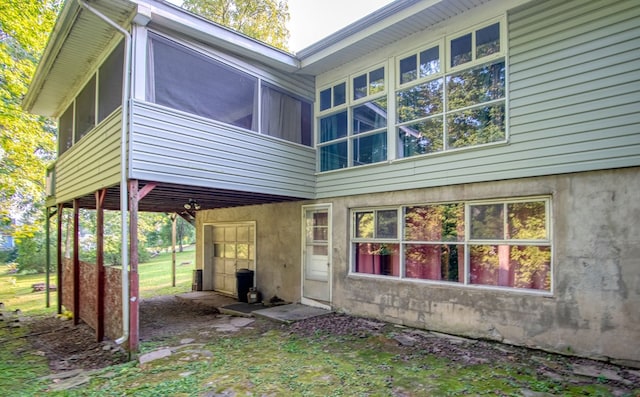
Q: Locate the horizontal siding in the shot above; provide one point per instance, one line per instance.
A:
(91, 164)
(174, 147)
(574, 95)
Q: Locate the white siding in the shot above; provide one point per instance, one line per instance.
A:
(91, 164)
(175, 147)
(574, 95)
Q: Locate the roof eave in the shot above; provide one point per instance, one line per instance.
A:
(56, 40)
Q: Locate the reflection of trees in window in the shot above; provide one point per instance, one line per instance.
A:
(434, 226)
(508, 262)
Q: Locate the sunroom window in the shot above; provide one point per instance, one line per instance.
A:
(503, 244)
(354, 132)
(463, 106)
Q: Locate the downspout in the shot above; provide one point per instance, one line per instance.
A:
(126, 83)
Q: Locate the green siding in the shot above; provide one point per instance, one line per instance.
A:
(574, 95)
(175, 147)
(91, 164)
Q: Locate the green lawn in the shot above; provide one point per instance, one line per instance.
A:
(155, 279)
(278, 362)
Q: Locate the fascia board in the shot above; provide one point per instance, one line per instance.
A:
(360, 30)
(63, 25)
(181, 21)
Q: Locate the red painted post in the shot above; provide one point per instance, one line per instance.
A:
(59, 258)
(134, 298)
(76, 262)
(100, 264)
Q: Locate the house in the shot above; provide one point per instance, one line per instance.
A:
(465, 166)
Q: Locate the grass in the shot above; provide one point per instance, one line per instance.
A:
(155, 279)
(272, 363)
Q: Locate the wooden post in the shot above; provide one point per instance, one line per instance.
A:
(100, 264)
(47, 252)
(59, 257)
(76, 261)
(174, 220)
(134, 289)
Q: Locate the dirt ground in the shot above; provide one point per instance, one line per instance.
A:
(74, 347)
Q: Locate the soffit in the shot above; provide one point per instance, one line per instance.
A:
(384, 27)
(78, 40)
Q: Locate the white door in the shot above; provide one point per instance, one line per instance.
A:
(233, 249)
(316, 286)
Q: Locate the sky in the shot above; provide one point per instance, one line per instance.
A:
(312, 20)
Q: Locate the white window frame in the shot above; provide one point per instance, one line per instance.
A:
(467, 242)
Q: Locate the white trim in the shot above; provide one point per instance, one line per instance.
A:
(467, 242)
(315, 207)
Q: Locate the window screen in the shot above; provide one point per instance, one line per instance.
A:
(65, 130)
(285, 116)
(110, 83)
(86, 109)
(187, 80)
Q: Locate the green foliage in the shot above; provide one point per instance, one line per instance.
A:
(26, 141)
(264, 20)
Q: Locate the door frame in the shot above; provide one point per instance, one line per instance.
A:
(315, 207)
(209, 250)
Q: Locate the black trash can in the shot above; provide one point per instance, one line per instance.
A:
(197, 280)
(244, 278)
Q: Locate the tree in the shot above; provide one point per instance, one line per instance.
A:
(26, 141)
(264, 20)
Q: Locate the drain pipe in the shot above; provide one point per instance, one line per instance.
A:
(126, 83)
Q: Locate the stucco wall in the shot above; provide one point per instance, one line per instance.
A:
(278, 250)
(592, 310)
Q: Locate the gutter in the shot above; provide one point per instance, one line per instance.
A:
(126, 84)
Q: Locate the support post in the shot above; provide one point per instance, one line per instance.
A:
(76, 262)
(47, 253)
(59, 257)
(174, 220)
(100, 264)
(134, 298)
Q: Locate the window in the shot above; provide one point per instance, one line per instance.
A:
(375, 242)
(503, 244)
(80, 117)
(464, 106)
(110, 83)
(285, 116)
(187, 80)
(85, 115)
(356, 134)
(65, 130)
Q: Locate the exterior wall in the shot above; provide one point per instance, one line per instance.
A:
(91, 164)
(278, 245)
(573, 95)
(596, 274)
(175, 147)
(591, 310)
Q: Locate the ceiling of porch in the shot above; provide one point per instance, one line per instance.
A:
(172, 198)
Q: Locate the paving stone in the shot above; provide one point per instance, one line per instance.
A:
(186, 341)
(405, 340)
(595, 372)
(241, 321)
(70, 383)
(154, 355)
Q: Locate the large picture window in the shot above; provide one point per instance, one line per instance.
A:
(501, 244)
(462, 106)
(183, 78)
(449, 94)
